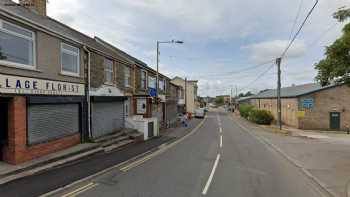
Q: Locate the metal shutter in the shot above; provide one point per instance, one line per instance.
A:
(107, 117)
(52, 121)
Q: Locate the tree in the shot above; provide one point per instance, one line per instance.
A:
(219, 100)
(336, 66)
(246, 94)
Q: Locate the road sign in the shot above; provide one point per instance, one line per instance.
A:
(153, 92)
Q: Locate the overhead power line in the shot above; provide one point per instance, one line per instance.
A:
(229, 73)
(300, 28)
(296, 19)
(257, 78)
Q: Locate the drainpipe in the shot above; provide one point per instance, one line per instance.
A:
(88, 91)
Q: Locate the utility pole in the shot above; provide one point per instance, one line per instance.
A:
(279, 105)
(185, 94)
(157, 76)
(231, 100)
(236, 91)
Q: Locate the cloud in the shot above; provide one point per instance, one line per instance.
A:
(222, 35)
(268, 50)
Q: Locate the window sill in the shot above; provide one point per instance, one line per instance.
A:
(109, 84)
(19, 66)
(70, 75)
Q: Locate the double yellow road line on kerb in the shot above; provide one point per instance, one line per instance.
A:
(80, 190)
(162, 149)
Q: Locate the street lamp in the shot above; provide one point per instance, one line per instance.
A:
(157, 80)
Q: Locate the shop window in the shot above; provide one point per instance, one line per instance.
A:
(17, 45)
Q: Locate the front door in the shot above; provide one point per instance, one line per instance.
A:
(335, 120)
(3, 123)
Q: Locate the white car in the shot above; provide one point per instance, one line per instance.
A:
(199, 113)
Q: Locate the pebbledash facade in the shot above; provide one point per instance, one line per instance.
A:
(309, 106)
(59, 87)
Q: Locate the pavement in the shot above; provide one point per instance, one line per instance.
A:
(217, 158)
(323, 156)
(51, 177)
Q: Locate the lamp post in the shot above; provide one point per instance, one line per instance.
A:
(157, 80)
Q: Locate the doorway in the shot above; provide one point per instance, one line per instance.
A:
(335, 120)
(3, 124)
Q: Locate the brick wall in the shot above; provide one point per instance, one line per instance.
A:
(326, 101)
(289, 109)
(17, 151)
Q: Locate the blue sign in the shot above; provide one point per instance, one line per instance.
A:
(153, 92)
(308, 103)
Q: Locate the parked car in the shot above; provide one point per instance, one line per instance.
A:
(199, 113)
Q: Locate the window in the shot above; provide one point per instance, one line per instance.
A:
(162, 85)
(108, 70)
(70, 59)
(143, 79)
(152, 82)
(16, 45)
(127, 77)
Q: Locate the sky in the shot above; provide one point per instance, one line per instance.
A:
(225, 41)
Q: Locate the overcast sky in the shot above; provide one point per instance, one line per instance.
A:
(221, 37)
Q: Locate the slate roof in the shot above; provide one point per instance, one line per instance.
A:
(294, 91)
(56, 27)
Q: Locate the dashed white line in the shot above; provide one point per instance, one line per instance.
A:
(220, 130)
(220, 141)
(210, 179)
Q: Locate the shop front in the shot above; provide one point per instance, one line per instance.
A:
(39, 117)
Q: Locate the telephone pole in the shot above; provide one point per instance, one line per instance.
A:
(279, 104)
(185, 94)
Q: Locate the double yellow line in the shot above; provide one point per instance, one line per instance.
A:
(81, 190)
(162, 149)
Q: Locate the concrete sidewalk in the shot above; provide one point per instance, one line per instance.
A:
(324, 157)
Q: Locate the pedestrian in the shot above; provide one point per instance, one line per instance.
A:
(184, 119)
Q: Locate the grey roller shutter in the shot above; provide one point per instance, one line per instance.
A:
(48, 122)
(107, 117)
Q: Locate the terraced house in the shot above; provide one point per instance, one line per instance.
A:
(60, 87)
(42, 84)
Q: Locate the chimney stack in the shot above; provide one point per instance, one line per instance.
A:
(38, 6)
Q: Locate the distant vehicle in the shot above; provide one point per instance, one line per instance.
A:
(206, 109)
(199, 113)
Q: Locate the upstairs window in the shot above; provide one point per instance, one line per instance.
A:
(70, 59)
(162, 85)
(16, 45)
(143, 79)
(127, 76)
(152, 82)
(108, 70)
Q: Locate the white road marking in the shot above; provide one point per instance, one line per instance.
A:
(220, 130)
(210, 179)
(80, 190)
(220, 141)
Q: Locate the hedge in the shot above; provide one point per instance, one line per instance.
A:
(255, 115)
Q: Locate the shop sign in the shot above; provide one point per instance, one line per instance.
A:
(141, 105)
(301, 114)
(24, 85)
(308, 103)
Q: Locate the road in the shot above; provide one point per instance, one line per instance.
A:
(218, 159)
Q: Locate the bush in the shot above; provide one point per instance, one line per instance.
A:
(261, 116)
(245, 110)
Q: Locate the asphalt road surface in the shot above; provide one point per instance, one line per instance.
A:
(219, 159)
